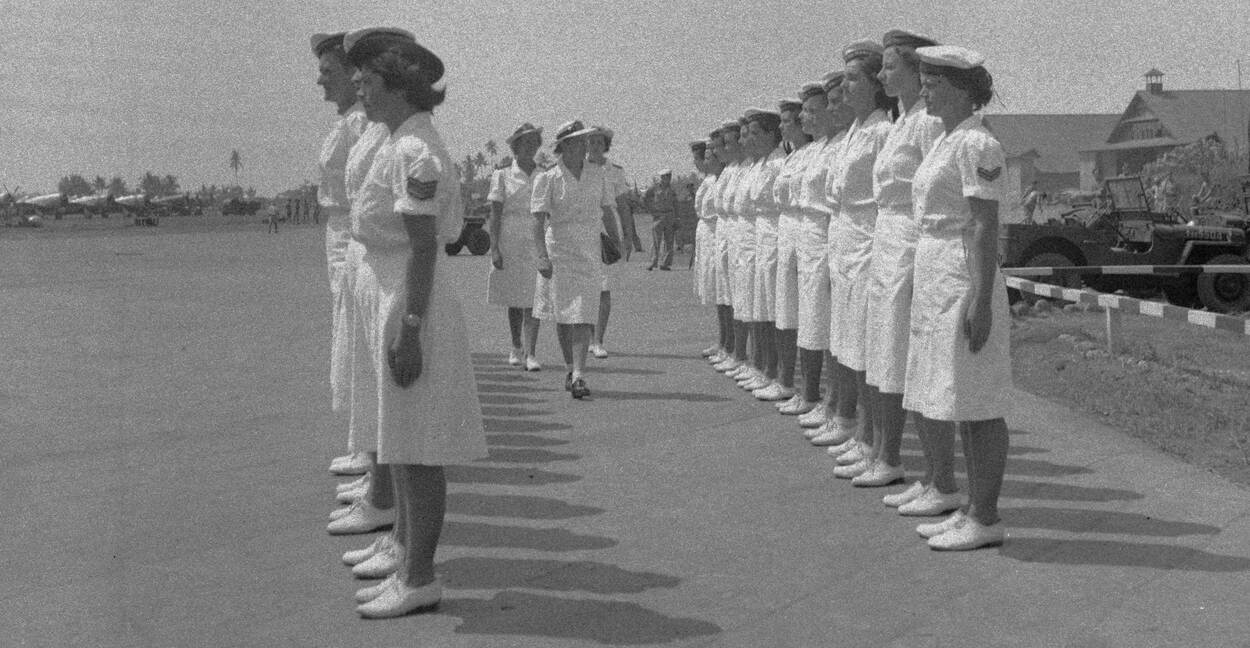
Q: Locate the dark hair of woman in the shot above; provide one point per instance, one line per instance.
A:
(770, 124)
(399, 72)
(976, 81)
(870, 64)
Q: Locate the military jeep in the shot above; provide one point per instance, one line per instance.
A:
(1126, 232)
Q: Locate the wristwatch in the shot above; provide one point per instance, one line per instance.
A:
(411, 320)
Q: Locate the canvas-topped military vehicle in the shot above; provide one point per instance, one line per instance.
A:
(1125, 231)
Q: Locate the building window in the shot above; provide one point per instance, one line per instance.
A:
(1146, 130)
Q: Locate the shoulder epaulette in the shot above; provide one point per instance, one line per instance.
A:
(617, 165)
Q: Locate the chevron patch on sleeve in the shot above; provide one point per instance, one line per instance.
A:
(425, 190)
(989, 175)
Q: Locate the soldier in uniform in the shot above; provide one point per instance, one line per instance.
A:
(663, 201)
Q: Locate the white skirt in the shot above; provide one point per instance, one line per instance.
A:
(572, 294)
(787, 286)
(338, 268)
(744, 269)
(889, 300)
(438, 419)
(850, 259)
(705, 261)
(813, 261)
(725, 228)
(513, 286)
(945, 381)
(764, 277)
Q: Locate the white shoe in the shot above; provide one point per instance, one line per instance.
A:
(931, 502)
(796, 406)
(598, 351)
(532, 364)
(842, 448)
(773, 392)
(792, 401)
(361, 517)
(743, 373)
(398, 599)
(969, 535)
(357, 556)
(726, 366)
(344, 510)
(354, 484)
(827, 434)
(352, 464)
(898, 499)
(349, 496)
(718, 357)
(934, 529)
(814, 418)
(878, 474)
(852, 471)
(516, 357)
(366, 594)
(710, 351)
(381, 564)
(857, 454)
(758, 382)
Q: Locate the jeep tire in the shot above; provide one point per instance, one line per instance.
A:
(1227, 292)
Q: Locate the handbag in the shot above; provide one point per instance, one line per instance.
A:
(609, 251)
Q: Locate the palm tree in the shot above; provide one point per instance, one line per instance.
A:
(492, 150)
(99, 184)
(481, 162)
(236, 163)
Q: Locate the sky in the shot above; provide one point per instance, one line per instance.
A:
(121, 87)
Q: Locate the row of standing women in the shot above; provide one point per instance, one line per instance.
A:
(400, 365)
(852, 232)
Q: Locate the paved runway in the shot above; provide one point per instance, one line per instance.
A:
(166, 430)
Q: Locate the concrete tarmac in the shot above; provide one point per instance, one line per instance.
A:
(166, 431)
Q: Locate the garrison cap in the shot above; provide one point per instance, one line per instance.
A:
(833, 80)
(522, 130)
(364, 44)
(789, 105)
(665, 172)
(950, 56)
(810, 90)
(751, 113)
(898, 37)
(860, 49)
(698, 145)
(732, 124)
(322, 43)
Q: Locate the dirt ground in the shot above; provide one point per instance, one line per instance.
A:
(1178, 387)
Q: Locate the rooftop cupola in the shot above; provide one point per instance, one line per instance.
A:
(1154, 81)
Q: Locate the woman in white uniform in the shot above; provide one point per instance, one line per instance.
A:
(789, 229)
(742, 256)
(570, 208)
(598, 143)
(850, 189)
(511, 280)
(765, 127)
(958, 358)
(334, 75)
(703, 156)
(419, 386)
(811, 251)
(726, 141)
(893, 250)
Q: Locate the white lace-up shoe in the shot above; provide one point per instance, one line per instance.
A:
(361, 517)
(969, 535)
(931, 502)
(352, 464)
(878, 474)
(814, 418)
(934, 529)
(854, 470)
(896, 500)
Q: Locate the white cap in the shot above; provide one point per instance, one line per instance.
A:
(950, 56)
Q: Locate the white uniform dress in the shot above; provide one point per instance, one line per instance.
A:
(894, 247)
(705, 249)
(813, 246)
(332, 197)
(614, 184)
(851, 191)
(761, 203)
(945, 381)
(789, 229)
(742, 246)
(576, 218)
(437, 420)
(513, 286)
(725, 227)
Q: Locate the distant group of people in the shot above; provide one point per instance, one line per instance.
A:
(853, 231)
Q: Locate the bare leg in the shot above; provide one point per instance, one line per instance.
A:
(787, 352)
(564, 333)
(530, 330)
(579, 339)
(423, 493)
(605, 309)
(812, 361)
(725, 315)
(888, 428)
(741, 338)
(515, 322)
(767, 332)
(985, 450)
(381, 489)
(938, 438)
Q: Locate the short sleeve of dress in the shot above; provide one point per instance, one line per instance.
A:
(418, 181)
(540, 199)
(497, 192)
(981, 167)
(605, 197)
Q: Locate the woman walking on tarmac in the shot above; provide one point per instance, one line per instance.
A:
(571, 208)
(415, 375)
(958, 362)
(511, 280)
